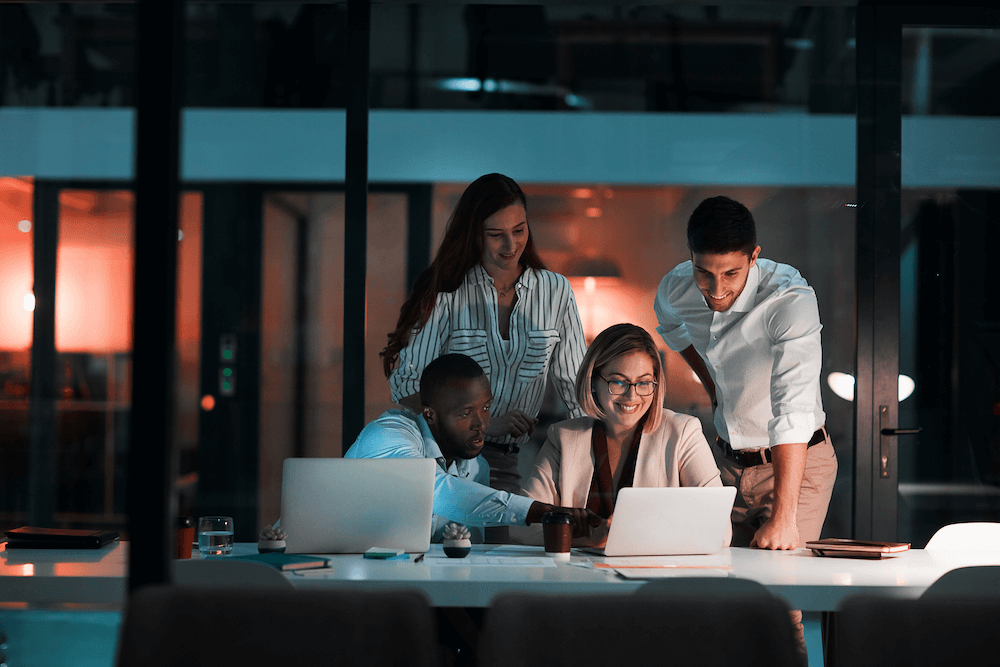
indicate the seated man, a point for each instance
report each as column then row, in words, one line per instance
column 455, row 397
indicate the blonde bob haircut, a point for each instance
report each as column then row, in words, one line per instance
column 613, row 342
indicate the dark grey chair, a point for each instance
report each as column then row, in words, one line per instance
column 978, row 581
column 657, row 627
column 879, row 632
column 207, row 627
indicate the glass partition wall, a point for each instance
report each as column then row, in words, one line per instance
column 555, row 92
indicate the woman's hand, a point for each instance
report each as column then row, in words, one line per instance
column 514, row 423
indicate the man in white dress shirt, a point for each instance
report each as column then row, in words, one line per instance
column 750, row 330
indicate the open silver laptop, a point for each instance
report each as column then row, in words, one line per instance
column 350, row 505
column 669, row 521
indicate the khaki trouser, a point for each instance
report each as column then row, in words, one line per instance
column 755, row 499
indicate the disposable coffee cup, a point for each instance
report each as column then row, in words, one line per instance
column 185, row 536
column 557, row 531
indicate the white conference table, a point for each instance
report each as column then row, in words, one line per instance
column 805, row 581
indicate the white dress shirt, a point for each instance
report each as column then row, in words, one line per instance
column 545, row 337
column 461, row 490
column 764, row 353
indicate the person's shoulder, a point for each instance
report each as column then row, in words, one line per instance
column 396, row 418
column 677, row 421
column 777, row 276
column 680, row 275
column 545, row 279
column 568, row 427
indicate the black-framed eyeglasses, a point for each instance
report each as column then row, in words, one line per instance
column 619, row 387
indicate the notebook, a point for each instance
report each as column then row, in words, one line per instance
column 669, row 521
column 350, row 505
column 839, row 547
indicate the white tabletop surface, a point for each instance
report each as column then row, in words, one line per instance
column 807, row 582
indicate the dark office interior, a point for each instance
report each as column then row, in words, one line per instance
column 129, row 396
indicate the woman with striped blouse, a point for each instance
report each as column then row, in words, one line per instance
column 487, row 295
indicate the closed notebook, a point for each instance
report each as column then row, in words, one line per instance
column 30, row 537
column 840, row 547
column 285, row 562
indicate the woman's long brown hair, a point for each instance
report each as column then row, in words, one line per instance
column 461, row 249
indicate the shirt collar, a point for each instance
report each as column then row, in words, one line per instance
column 477, row 275
column 433, row 451
column 743, row 303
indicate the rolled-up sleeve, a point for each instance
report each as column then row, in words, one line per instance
column 794, row 327
column 568, row 354
column 670, row 327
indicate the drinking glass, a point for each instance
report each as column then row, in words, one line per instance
column 215, row 535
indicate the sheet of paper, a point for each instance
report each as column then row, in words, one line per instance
column 716, row 561
column 665, row 573
column 489, row 560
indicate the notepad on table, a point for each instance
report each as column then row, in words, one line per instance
column 286, row 562
column 846, row 548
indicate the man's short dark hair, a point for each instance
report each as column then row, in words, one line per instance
column 443, row 369
column 721, row 225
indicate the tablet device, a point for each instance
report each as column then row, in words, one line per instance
column 350, row 505
column 669, row 521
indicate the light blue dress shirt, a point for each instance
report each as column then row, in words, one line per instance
column 461, row 490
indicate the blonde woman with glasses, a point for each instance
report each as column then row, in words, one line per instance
column 626, row 439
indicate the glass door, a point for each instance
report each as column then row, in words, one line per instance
column 949, row 343
column 927, row 415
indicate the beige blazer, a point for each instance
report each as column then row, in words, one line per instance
column 676, row 454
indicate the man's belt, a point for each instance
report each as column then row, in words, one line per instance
column 506, row 448
column 755, row 457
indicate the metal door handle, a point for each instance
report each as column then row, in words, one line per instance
column 884, row 443
column 901, row 431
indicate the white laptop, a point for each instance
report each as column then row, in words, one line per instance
column 669, row 521
column 350, row 505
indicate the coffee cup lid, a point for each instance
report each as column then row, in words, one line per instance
column 557, row 517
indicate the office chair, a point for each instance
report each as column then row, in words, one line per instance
column 978, row 581
column 202, row 627
column 726, row 586
column 652, row 628
column 883, row 632
column 976, row 535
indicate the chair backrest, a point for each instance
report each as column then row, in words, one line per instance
column 637, row 630
column 974, row 535
column 725, row 586
column 979, row 581
column 880, row 632
column 207, row 627
column 225, row 572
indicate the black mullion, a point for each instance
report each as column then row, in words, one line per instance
column 42, row 408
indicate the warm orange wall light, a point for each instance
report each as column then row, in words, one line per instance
column 15, row 285
column 94, row 299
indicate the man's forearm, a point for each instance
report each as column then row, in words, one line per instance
column 789, row 462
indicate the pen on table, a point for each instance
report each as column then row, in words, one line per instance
column 419, row 558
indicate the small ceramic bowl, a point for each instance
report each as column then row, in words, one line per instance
column 457, row 548
column 271, row 546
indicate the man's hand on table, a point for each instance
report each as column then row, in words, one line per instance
column 776, row 534
column 583, row 520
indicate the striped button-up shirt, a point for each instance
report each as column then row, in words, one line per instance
column 546, row 338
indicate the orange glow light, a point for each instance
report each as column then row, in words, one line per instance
column 582, row 193
column 208, row 402
column 593, row 212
